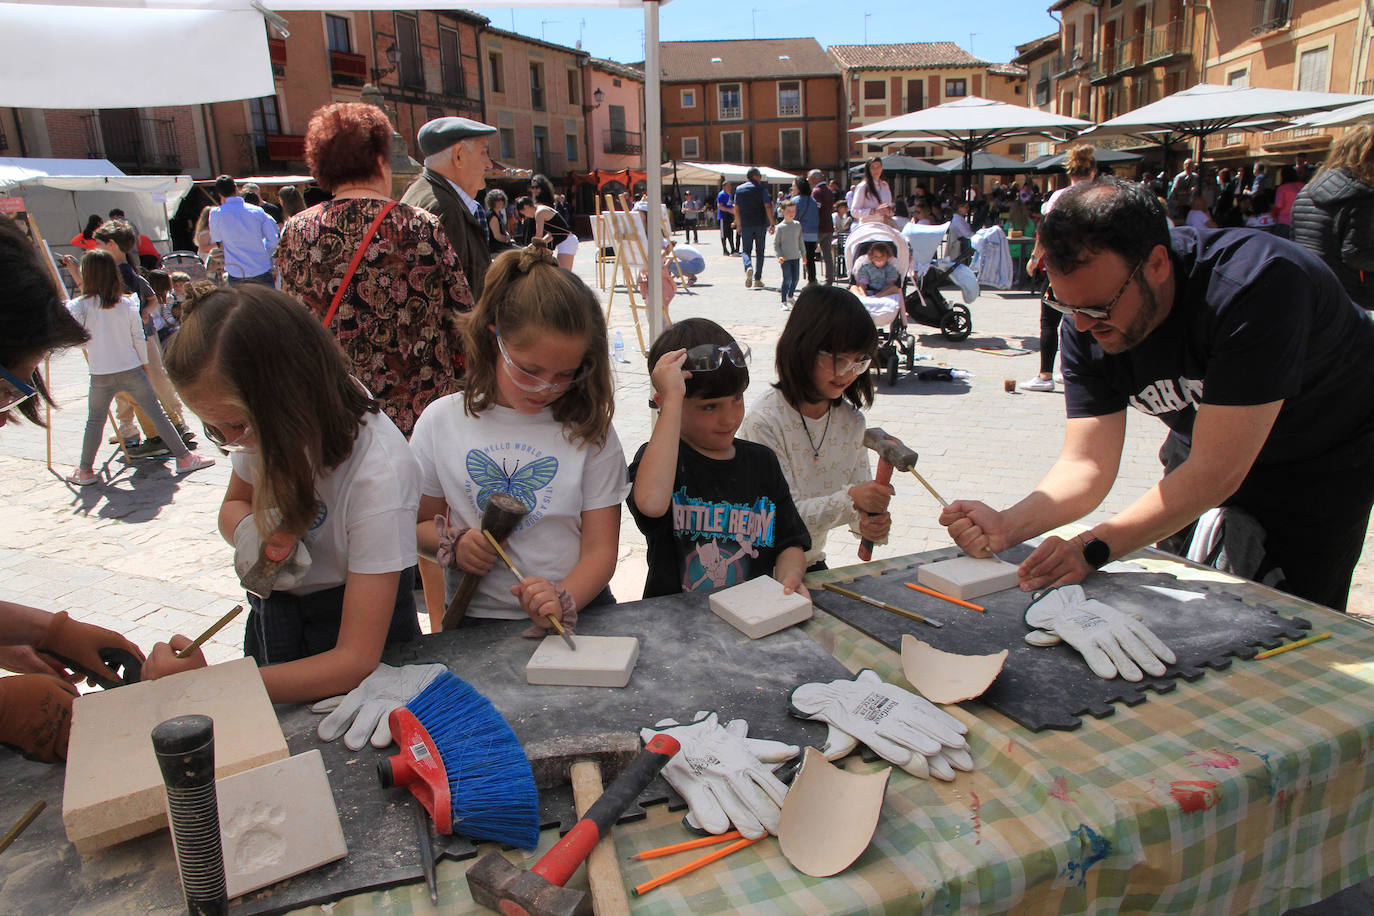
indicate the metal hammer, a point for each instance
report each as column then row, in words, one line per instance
column 502, row 514
column 892, row 453
column 498, row 884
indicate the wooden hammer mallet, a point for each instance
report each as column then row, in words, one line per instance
column 892, row 453
column 502, row 514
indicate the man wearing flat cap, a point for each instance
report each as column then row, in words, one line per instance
column 456, row 161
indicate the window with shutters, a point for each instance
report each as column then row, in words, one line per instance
column 790, row 148
column 1314, row 67
column 732, row 146
column 875, row 90
column 411, row 67
column 450, row 61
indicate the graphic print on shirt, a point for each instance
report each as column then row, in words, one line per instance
column 1168, row 395
column 515, row 468
column 714, row 525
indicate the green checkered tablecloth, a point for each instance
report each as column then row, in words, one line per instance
column 1248, row 790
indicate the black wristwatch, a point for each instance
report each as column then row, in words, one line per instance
column 1095, row 551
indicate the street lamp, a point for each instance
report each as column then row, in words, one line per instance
column 598, row 97
column 393, row 57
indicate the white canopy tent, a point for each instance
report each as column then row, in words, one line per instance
column 971, row 124
column 60, row 193
column 1341, row 117
column 48, row 61
column 710, row 173
column 1205, row 109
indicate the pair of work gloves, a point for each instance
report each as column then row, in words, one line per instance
column 361, row 715
column 446, row 555
column 1112, row 643
column 899, row 726
column 36, row 709
column 248, row 549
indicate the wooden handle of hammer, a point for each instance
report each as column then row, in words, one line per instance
column 884, row 476
column 502, row 514
column 603, row 868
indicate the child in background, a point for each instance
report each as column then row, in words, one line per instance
column 811, row 420
column 318, row 471
column 164, row 322
column 879, row 276
column 119, row 356
column 715, row 510
column 533, row 420
column 787, row 245
column 181, row 282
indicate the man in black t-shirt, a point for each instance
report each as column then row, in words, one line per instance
column 1249, row 350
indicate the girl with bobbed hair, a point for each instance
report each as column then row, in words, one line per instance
column 395, row 315
column 320, row 476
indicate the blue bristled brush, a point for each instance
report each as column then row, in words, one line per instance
column 460, row 758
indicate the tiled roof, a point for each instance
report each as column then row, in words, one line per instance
column 1007, row 69
column 1031, row 50
column 516, row 36
column 615, row 68
column 700, row 61
column 911, row 55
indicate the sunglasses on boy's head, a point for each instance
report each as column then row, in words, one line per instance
column 706, row 357
column 1097, row 313
column 13, row 390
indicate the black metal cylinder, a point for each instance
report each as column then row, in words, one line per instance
column 185, row 749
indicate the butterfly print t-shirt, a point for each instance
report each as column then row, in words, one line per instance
column 466, row 459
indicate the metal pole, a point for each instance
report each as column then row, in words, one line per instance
column 653, row 157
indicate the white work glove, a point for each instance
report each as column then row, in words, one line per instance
column 725, row 777
column 366, row 708
column 248, row 547
column 897, row 725
column 1110, row 642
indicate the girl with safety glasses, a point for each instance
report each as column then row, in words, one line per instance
column 811, row 420
column 533, row 421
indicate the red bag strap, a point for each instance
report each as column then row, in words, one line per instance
column 353, row 264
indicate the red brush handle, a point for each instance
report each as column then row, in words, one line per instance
column 419, row 767
column 884, row 477
column 559, row 863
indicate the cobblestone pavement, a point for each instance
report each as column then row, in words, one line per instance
column 139, row 552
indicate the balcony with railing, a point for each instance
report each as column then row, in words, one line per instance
column 138, row 145
column 1167, row 42
column 347, row 69
column 1118, row 59
column 623, row 143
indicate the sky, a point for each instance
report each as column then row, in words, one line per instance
column 989, row 29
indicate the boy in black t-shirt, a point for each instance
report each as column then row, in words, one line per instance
column 715, row 510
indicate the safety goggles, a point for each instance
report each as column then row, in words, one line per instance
column 844, row 366
column 13, row 390
column 708, row 357
column 532, row 384
column 238, row 444
column 1097, row 313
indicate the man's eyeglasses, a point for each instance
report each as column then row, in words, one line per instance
column 708, row 357
column 238, row 444
column 1097, row 313
column 13, row 390
column 844, row 366
column 533, row 384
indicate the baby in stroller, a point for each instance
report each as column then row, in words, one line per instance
column 878, row 259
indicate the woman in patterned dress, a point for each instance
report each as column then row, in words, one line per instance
column 395, row 319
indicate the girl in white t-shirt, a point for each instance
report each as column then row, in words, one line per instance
column 810, row 417
column 319, row 474
column 534, row 421
column 118, row 356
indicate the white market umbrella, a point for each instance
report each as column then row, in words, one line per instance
column 53, row 58
column 1206, row 109
column 984, row 161
column 971, row 124
column 1341, row 117
column 709, row 173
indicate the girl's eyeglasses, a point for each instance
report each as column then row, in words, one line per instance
column 708, row 357
column 844, row 366
column 238, row 444
column 13, row 390
column 1097, row 313
column 533, row 384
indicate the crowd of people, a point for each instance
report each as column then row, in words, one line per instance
column 377, row 370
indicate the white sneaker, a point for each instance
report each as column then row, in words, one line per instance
column 1037, row 384
column 748, row 277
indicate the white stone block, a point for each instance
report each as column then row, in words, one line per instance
column 277, row 821
column 759, row 607
column 598, row 661
column 967, row 577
